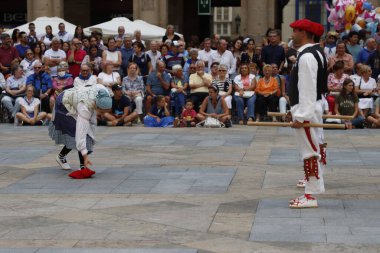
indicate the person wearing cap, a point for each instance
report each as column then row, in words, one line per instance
column 330, row 44
column 73, row 124
column 308, row 82
column 214, row 106
column 119, row 114
column 174, row 57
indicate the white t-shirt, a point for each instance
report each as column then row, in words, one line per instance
column 203, row 55
column 66, row 37
column 109, row 79
column 55, row 55
column 27, row 66
column 29, row 105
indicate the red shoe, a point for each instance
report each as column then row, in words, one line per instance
column 77, row 174
column 87, row 173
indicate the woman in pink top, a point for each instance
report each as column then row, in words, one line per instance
column 62, row 81
column 335, row 83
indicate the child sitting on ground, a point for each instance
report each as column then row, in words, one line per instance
column 159, row 115
column 188, row 115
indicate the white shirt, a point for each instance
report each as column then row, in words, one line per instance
column 29, row 105
column 81, row 83
column 27, row 66
column 13, row 83
column 142, row 41
column 85, row 125
column 154, row 57
column 2, row 81
column 54, row 55
column 307, row 86
column 109, row 79
column 65, row 37
column 204, row 55
column 238, row 82
column 226, row 58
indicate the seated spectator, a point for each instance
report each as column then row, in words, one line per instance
column 188, row 114
column 199, row 83
column 374, row 118
column 335, row 83
column 120, row 113
column 8, row 54
column 159, row 115
column 108, row 77
column 214, row 72
column 174, row 57
column 142, row 60
column 347, row 104
column 23, row 46
column 75, row 57
column 164, row 50
column 61, row 82
column 154, row 54
column 48, row 37
column 366, row 51
column 353, row 45
column 54, row 56
column 158, row 83
column 27, row 63
column 37, row 52
column 214, row 106
column 30, row 110
column 86, row 45
column 85, row 77
column 244, row 95
column 14, row 92
column 94, row 60
column 224, row 85
column 267, row 92
column 193, row 59
column 179, row 86
column 204, row 54
column 365, row 89
column 341, row 55
column 112, row 55
column 358, row 74
column 133, row 87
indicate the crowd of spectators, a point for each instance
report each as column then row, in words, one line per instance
column 166, row 83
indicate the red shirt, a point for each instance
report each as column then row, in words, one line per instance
column 189, row 113
column 74, row 68
column 7, row 55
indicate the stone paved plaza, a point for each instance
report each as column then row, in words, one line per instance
column 187, row 191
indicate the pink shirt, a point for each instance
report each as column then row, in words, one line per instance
column 336, row 83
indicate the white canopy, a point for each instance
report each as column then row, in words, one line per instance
column 109, row 28
column 42, row 22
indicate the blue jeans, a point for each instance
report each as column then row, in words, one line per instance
column 358, row 121
column 152, row 122
column 240, row 101
column 179, row 102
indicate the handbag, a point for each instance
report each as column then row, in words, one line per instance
column 211, row 122
column 246, row 94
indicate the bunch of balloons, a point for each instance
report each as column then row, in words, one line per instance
column 347, row 15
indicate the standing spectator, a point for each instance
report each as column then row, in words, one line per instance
column 120, row 114
column 14, row 91
column 94, row 42
column 164, row 50
column 120, row 33
column 109, row 77
column 54, row 56
column 86, row 45
column 365, row 89
column 61, row 82
column 199, row 83
column 134, row 88
column 174, row 57
column 158, row 83
column 330, row 45
column 366, row 51
column 178, row 92
column 62, row 34
column 78, row 33
column 273, row 52
column 112, row 56
column 37, row 52
column 27, row 63
column 94, row 60
column 126, row 53
column 141, row 59
column 267, row 92
column 137, row 35
column 244, row 95
column 341, row 55
column 30, row 109
column 48, row 37
column 223, row 56
column 170, row 35
column 214, row 70
column 374, row 61
column 335, row 83
column 224, row 85
column 15, row 37
column 353, row 46
column 249, row 55
column 237, row 51
column 75, row 57
column 154, row 54
column 204, row 54
column 347, row 104
column 32, row 36
column 85, row 78
column 43, row 85
column 159, row 115
column 8, row 54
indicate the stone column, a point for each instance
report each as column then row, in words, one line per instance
column 289, row 16
column 151, row 11
column 49, row 8
column 259, row 16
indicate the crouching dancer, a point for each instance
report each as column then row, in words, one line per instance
column 73, row 124
column 307, row 84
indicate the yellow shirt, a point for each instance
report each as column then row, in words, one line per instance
column 196, row 79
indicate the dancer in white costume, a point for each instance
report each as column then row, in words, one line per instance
column 307, row 84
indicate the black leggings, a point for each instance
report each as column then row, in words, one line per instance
column 65, row 151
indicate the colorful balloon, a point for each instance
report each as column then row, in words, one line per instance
column 350, row 13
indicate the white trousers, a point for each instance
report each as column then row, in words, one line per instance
column 139, row 104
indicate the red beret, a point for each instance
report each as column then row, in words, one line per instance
column 309, row 26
